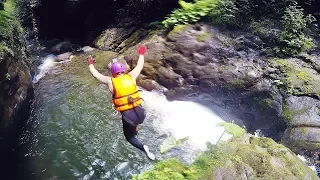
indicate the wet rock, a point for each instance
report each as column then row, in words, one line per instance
column 116, row 34
column 303, row 115
column 61, row 47
column 87, row 49
column 64, row 56
column 111, row 38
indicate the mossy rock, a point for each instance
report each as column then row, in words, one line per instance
column 245, row 157
column 298, row 78
column 132, row 40
column 79, row 66
column 178, row 29
column 203, row 37
column 111, row 38
column 302, row 138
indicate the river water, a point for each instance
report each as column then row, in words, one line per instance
column 74, row 133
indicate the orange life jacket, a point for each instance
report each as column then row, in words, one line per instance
column 125, row 93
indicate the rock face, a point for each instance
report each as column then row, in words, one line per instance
column 112, row 37
column 16, row 94
column 228, row 66
column 201, row 58
column 304, row 131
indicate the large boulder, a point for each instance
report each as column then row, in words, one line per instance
column 246, row 157
column 61, row 47
column 303, row 114
column 114, row 35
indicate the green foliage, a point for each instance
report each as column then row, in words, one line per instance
column 265, row 9
column 225, row 13
column 189, row 12
column 295, row 36
column 233, row 129
column 11, row 32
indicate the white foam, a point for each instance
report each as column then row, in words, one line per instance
column 185, row 119
column 302, row 158
column 47, row 64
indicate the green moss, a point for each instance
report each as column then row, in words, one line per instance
column 100, row 41
column 203, row 37
column 268, row 160
column 207, row 164
column 302, row 75
column 305, row 144
column 281, row 64
column 297, row 80
column 178, row 29
column 233, row 129
column 134, row 38
column 79, row 66
column 265, row 104
column 236, row 83
column 166, row 170
column 287, row 113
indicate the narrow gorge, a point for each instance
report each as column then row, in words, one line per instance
column 231, row 89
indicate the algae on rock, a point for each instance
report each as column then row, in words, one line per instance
column 243, row 157
column 298, row 78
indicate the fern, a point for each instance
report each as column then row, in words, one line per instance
column 190, row 12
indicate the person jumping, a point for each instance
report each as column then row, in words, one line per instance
column 126, row 97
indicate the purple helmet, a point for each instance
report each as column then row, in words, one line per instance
column 117, row 67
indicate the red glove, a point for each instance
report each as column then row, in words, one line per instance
column 90, row 60
column 142, row 50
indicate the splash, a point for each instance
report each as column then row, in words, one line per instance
column 47, row 64
column 185, row 119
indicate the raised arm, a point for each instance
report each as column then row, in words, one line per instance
column 137, row 70
column 96, row 74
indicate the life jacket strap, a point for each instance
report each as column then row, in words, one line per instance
column 125, row 95
column 131, row 101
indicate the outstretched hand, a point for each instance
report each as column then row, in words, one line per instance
column 91, row 60
column 142, row 50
